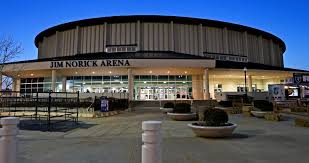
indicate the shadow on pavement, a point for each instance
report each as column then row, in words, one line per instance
column 56, row 125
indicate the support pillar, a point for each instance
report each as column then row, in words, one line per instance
column 0, row 81
column 250, row 83
column 206, row 84
column 53, row 81
column 8, row 140
column 130, row 84
column 14, row 84
column 64, row 84
column 17, row 86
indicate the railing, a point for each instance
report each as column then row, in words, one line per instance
column 61, row 106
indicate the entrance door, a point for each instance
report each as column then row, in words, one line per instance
column 147, row 94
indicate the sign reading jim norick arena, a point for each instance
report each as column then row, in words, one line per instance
column 90, row 63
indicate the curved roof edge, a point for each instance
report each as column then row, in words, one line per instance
column 152, row 18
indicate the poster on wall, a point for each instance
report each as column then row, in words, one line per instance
column 276, row 92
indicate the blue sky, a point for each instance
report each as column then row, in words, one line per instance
column 287, row 19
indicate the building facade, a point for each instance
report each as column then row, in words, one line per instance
column 152, row 58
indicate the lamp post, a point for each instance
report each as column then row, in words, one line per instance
column 245, row 71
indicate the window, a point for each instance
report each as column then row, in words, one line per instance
column 218, row 88
column 226, row 57
column 97, row 84
column 241, row 88
column 121, row 48
column 33, row 85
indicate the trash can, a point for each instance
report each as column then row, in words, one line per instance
column 104, row 104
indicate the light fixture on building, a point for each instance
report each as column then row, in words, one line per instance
column 18, row 75
column 84, row 83
column 168, row 72
column 93, row 72
column 245, row 71
column 76, row 72
column 145, row 82
column 110, row 72
column 121, row 82
column 164, row 82
column 184, row 82
column 150, row 71
column 185, row 72
column 31, row 74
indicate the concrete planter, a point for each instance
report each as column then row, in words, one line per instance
column 166, row 110
column 258, row 114
column 213, row 131
column 182, row 116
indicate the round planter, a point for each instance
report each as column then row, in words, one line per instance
column 182, row 116
column 258, row 114
column 166, row 110
column 212, row 131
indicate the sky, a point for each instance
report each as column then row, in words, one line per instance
column 287, row 19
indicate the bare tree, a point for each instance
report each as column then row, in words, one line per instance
column 9, row 49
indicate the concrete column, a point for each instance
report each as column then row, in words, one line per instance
column 201, row 44
column 0, row 81
column 53, row 81
column 138, row 36
column 250, row 83
column 246, row 50
column 14, row 84
column 225, row 41
column 171, row 46
column 151, row 137
column 18, row 86
column 105, row 36
column 130, row 84
column 261, row 50
column 64, row 84
column 8, row 140
column 206, row 84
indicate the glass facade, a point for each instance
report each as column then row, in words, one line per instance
column 33, row 85
column 97, row 84
column 162, row 87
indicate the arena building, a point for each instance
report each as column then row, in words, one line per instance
column 152, row 58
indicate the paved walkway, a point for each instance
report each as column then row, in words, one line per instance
column 117, row 139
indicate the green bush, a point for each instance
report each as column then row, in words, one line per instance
column 169, row 105
column 226, row 103
column 215, row 117
column 182, row 108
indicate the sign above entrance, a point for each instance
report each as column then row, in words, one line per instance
column 90, row 63
column 131, row 63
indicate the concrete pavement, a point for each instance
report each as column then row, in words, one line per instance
column 117, row 139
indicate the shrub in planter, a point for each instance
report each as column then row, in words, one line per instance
column 215, row 117
column 263, row 105
column 235, row 110
column 226, row 103
column 302, row 122
column 273, row 117
column 182, row 108
column 182, row 112
column 168, row 105
column 215, row 124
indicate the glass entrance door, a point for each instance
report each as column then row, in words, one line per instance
column 163, row 93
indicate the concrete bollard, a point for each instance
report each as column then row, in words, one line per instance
column 151, row 149
column 8, row 140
